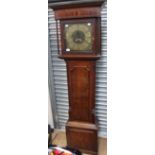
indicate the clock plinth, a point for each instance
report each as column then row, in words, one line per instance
column 82, row 136
column 79, row 43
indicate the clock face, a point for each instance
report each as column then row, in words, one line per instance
column 78, row 37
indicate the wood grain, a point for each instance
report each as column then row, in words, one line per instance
column 81, row 87
column 78, row 13
column 60, row 139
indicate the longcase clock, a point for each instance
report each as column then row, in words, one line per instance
column 79, row 43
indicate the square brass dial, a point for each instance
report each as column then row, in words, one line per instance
column 78, row 37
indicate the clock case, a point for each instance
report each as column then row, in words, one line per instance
column 81, row 128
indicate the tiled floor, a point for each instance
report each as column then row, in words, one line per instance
column 59, row 138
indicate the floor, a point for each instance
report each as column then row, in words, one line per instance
column 59, row 138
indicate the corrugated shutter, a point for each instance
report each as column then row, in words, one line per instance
column 59, row 77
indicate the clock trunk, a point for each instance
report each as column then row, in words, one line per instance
column 81, row 127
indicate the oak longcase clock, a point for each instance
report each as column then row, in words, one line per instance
column 79, row 43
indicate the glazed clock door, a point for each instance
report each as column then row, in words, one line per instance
column 78, row 36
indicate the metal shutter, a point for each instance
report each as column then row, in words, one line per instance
column 58, row 77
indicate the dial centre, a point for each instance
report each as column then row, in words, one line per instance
column 78, row 36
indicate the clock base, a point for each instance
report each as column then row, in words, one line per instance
column 82, row 136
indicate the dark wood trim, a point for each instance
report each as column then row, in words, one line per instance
column 73, row 3
column 80, row 57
